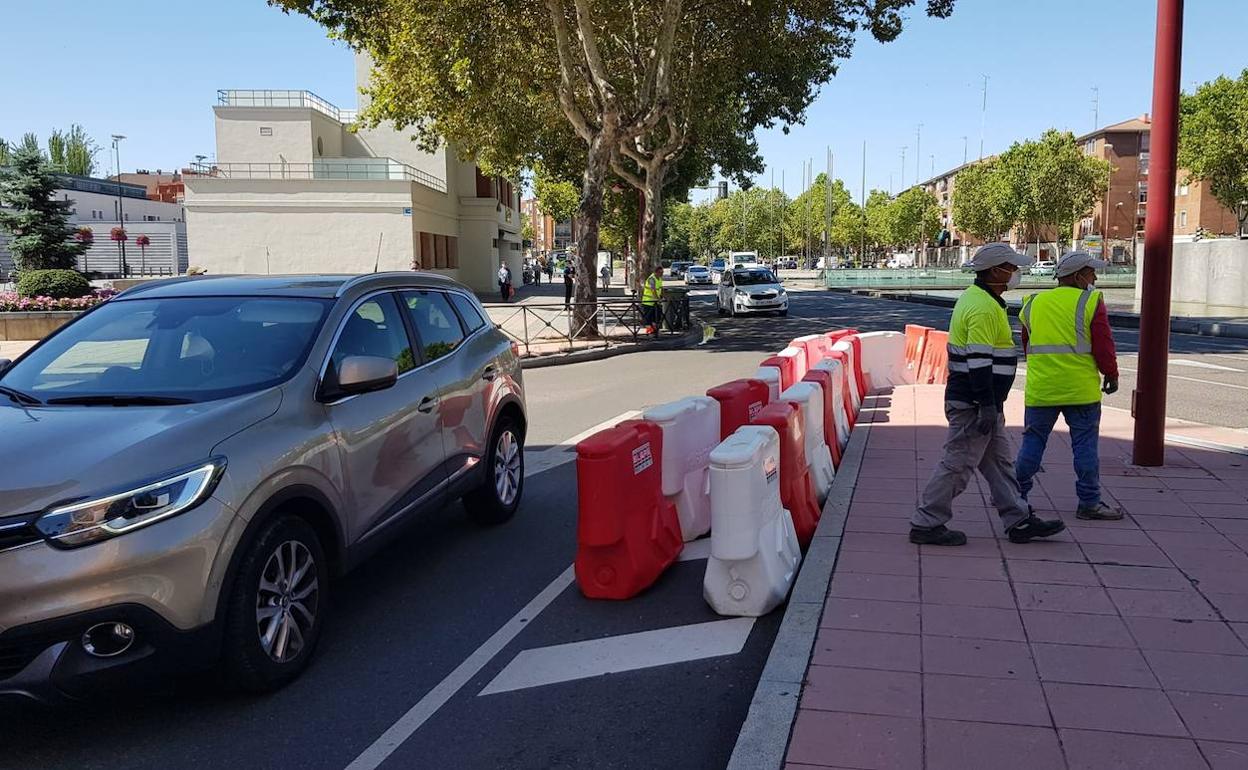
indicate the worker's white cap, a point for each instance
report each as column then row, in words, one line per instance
column 1074, row 261
column 993, row 254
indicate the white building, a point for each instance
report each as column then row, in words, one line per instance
column 296, row 190
column 100, row 205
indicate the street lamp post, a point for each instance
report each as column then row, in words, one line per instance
column 121, row 213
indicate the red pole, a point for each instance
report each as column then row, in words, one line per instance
column 1148, row 402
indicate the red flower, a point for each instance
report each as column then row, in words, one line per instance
column 142, row 241
column 84, row 235
column 118, row 234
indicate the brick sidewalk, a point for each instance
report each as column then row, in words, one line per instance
column 1115, row 645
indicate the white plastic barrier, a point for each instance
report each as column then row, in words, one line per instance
column 816, row 345
column 771, row 376
column 690, row 431
column 809, row 399
column 838, row 398
column 884, row 358
column 848, row 350
column 754, row 549
column 798, row 355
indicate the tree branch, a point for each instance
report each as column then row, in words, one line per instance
column 624, row 173
column 593, row 58
column 567, row 91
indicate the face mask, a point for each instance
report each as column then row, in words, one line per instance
column 1016, row 278
column 1090, row 287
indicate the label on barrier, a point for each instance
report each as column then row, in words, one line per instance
column 755, row 408
column 770, row 468
column 642, row 458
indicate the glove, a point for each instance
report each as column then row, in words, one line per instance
column 987, row 420
column 1110, row 386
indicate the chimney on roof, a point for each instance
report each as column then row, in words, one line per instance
column 1146, row 118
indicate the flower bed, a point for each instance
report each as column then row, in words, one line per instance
column 11, row 303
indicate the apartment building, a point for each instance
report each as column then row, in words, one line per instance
column 298, row 188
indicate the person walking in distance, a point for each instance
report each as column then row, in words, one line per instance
column 569, row 283
column 1069, row 348
column 651, row 296
column 982, row 363
column 504, row 281
column 604, row 273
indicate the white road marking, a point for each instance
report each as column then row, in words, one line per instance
column 565, row 451
column 616, row 654
column 1193, row 379
column 698, row 549
column 436, row 698
column 1204, row 365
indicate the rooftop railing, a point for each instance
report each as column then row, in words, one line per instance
column 233, row 97
column 343, row 169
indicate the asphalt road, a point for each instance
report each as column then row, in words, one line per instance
column 409, row 672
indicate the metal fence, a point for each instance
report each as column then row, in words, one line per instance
column 268, row 97
column 346, row 169
column 543, row 328
column 921, row 278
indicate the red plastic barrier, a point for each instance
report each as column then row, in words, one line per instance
column 916, row 339
column 627, row 532
column 816, row 348
column 823, row 378
column 846, row 397
column 787, row 367
column 739, row 402
column 797, row 491
column 934, row 368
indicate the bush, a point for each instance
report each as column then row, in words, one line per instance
column 57, row 284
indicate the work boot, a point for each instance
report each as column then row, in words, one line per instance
column 1032, row 527
column 939, row 535
column 1099, row 512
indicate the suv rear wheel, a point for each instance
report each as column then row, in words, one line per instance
column 498, row 497
column 277, row 606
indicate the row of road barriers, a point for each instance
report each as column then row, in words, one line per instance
column 752, row 462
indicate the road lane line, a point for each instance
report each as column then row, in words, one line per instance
column 1204, row 365
column 617, row 654
column 1193, row 379
column 563, row 452
column 436, row 698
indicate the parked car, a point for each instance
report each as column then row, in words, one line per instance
column 751, row 290
column 190, row 465
column 677, row 269
column 1045, row 267
column 698, row 274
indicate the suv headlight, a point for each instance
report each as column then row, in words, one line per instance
column 77, row 524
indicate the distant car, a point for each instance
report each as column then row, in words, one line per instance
column 1046, row 267
column 717, row 269
column 678, row 269
column 698, row 274
column 751, row 290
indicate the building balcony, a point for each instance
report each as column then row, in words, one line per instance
column 326, row 169
column 274, row 98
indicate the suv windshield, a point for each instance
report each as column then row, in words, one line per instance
column 752, row 277
column 150, row 351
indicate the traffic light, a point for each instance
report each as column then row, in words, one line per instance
column 723, row 190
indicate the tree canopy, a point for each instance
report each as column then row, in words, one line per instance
column 1213, row 140
column 42, row 238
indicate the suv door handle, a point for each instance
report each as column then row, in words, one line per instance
column 490, row 373
column 427, row 404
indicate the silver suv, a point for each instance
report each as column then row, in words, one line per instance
column 185, row 468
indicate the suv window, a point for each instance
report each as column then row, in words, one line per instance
column 374, row 328
column 435, row 322
column 468, row 312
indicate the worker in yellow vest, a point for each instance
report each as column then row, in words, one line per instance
column 651, row 294
column 1070, row 361
column 982, row 361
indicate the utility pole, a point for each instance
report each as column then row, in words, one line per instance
column 862, row 246
column 772, row 191
column 902, row 185
column 983, row 116
column 1148, row 402
column 1096, row 107
column 933, row 165
column 121, row 212
column 963, row 150
column 827, row 213
column 918, row 151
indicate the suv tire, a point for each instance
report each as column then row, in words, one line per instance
column 498, row 497
column 266, row 583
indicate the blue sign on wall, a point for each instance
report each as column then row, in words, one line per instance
column 407, row 212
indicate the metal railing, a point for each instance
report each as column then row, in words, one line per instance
column 343, row 169
column 241, row 97
column 921, row 278
column 554, row 327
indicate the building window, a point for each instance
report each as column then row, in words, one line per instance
column 1090, row 147
column 1183, row 189
column 1182, row 219
column 1143, row 188
column 1143, row 164
column 266, row 131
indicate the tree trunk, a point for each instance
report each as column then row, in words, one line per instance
column 652, row 218
column 589, row 217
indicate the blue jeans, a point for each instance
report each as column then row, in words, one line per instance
column 1085, row 430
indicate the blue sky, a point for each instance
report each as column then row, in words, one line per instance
column 150, row 70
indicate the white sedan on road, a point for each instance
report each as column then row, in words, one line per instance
column 751, row 290
column 697, row 274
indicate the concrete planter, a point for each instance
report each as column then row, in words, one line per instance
column 33, row 325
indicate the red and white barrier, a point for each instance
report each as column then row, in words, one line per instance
column 773, row 377
column 690, row 431
column 831, row 436
column 739, row 402
column 797, row 491
column 852, row 372
column 808, row 397
column 883, row 358
column 799, row 365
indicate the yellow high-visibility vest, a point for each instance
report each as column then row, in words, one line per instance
column 651, row 290
column 1060, row 368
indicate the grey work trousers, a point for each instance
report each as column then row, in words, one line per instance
column 965, row 450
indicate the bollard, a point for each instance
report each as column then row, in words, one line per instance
column 797, row 493
column 786, row 365
column 754, row 549
column 838, row 362
column 883, row 358
column 690, row 431
column 831, row 433
column 770, row 376
column 739, row 402
column 808, row 397
column 627, row 532
column 798, row 354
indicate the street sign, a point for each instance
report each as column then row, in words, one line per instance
column 407, row 212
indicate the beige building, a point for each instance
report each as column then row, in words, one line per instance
column 297, row 188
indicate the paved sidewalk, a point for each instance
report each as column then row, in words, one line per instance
column 1115, row 645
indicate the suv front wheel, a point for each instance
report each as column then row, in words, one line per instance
column 498, row 497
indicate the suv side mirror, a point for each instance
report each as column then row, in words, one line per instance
column 363, row 374
column 5, row 363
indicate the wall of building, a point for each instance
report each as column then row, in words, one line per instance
column 1195, row 207
column 1213, row 272
column 96, row 208
column 239, row 139
column 326, row 136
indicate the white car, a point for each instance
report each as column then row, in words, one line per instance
column 697, row 274
column 1047, row 267
column 751, row 290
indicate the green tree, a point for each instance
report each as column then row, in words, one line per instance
column 527, row 234
column 879, row 218
column 6, row 152
column 556, row 198
column 38, row 223
column 984, row 204
column 914, row 218
column 808, row 216
column 1213, row 141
